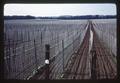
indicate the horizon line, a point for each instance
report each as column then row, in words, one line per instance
column 65, row 15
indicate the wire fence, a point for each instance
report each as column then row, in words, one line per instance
column 25, row 42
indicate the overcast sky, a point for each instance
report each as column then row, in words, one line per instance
column 59, row 9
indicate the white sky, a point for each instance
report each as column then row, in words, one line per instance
column 59, row 9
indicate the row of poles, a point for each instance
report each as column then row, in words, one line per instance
column 16, row 70
column 47, row 63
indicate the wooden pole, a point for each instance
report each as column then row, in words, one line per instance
column 63, row 53
column 36, row 63
column 47, row 56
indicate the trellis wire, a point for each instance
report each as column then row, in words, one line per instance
column 26, row 46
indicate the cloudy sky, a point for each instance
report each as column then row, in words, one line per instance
column 59, row 9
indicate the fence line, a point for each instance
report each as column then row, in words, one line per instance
column 25, row 52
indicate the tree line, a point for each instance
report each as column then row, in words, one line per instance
column 62, row 17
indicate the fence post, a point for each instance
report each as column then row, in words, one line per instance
column 41, row 37
column 63, row 53
column 35, row 55
column 9, row 58
column 47, row 55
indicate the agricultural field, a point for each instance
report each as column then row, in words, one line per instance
column 107, row 32
column 25, row 43
column 25, row 40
